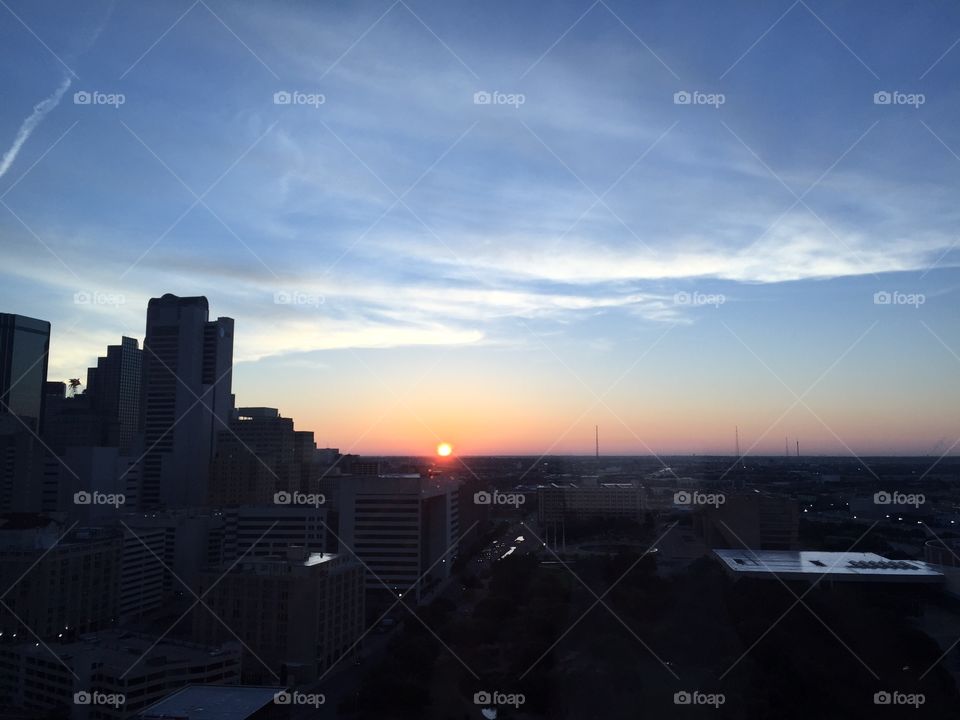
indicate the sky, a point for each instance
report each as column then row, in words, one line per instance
column 500, row 224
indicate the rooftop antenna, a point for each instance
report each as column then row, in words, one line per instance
column 736, row 431
column 798, row 448
column 596, row 430
column 786, row 447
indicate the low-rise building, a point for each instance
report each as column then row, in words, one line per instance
column 108, row 675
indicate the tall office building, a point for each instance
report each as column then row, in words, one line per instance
column 24, row 347
column 114, row 390
column 187, row 368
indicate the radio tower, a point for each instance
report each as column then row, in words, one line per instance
column 596, row 430
column 798, row 448
column 736, row 432
column 786, row 447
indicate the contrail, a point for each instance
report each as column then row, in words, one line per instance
column 40, row 111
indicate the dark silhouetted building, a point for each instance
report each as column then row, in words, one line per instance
column 759, row 521
column 261, row 454
column 140, row 668
column 299, row 612
column 187, row 400
column 114, row 390
column 57, row 587
column 24, row 349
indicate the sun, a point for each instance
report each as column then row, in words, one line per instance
column 444, row 449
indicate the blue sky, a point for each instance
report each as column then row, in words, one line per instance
column 453, row 265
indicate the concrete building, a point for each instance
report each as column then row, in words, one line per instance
column 58, row 586
column 192, row 541
column 270, row 530
column 142, row 575
column 612, row 500
column 261, row 454
column 108, row 675
column 96, row 483
column 299, row 613
column 400, row 526
column 759, row 521
column 187, row 400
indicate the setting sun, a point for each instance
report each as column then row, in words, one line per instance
column 444, row 449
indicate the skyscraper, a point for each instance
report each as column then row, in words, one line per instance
column 114, row 390
column 186, row 398
column 24, row 347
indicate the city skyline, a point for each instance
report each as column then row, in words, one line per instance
column 585, row 227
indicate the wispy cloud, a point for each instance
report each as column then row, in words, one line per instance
column 30, row 123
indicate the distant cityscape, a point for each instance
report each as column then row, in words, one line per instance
column 162, row 549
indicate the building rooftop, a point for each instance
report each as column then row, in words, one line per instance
column 118, row 650
column 211, row 702
column 837, row 566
